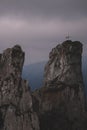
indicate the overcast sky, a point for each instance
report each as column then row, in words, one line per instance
column 39, row 25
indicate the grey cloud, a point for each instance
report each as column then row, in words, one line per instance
column 68, row 9
column 39, row 25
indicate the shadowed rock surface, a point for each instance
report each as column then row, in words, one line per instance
column 61, row 100
column 16, row 111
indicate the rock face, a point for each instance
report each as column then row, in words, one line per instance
column 63, row 74
column 61, row 100
column 16, row 108
column 65, row 63
column 58, row 105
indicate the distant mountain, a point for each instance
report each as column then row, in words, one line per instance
column 34, row 74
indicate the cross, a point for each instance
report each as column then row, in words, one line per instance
column 68, row 37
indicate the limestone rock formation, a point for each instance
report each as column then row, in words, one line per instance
column 61, row 100
column 65, row 63
column 58, row 105
column 16, row 109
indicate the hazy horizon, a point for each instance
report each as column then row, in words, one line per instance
column 38, row 26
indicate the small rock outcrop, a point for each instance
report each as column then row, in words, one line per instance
column 16, row 108
column 61, row 100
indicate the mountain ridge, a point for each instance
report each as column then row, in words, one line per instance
column 34, row 73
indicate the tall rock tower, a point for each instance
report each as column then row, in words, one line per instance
column 64, row 64
column 16, row 108
column 62, row 97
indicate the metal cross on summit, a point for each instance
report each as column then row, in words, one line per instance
column 67, row 37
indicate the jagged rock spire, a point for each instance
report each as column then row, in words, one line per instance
column 65, row 63
column 11, row 61
column 16, row 107
column 61, row 99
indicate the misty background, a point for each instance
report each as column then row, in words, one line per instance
column 39, row 25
